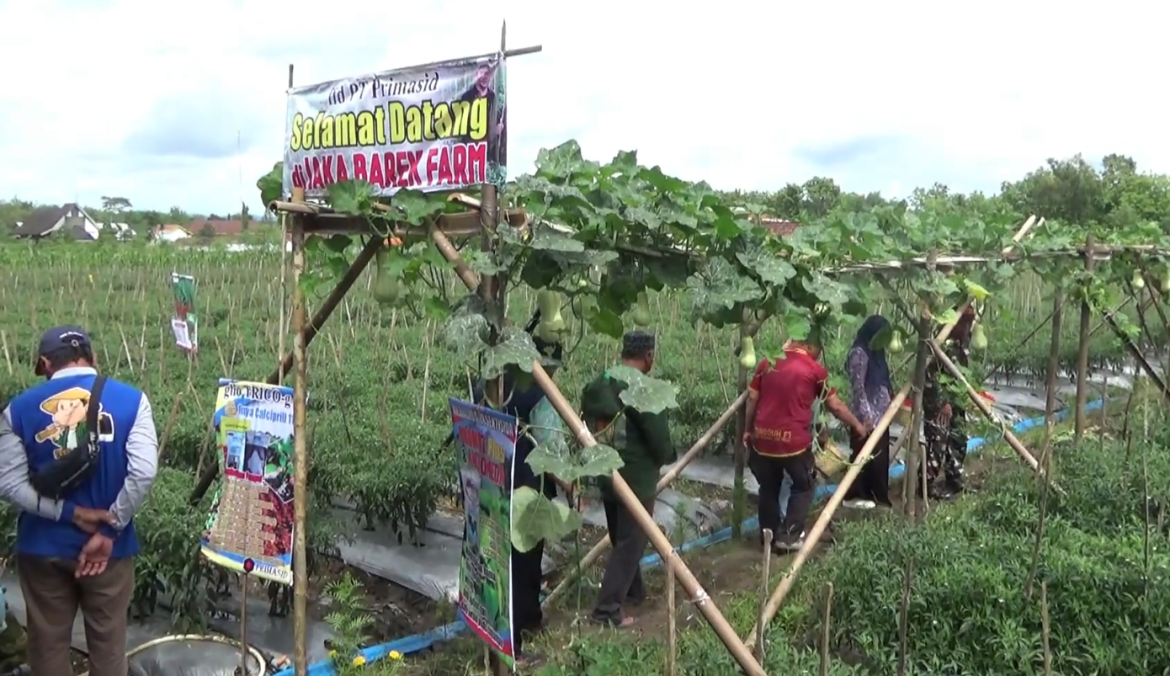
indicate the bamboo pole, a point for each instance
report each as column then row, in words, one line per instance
column 686, row 578
column 1083, row 349
column 1137, row 355
column 1053, row 358
column 915, row 463
column 300, row 450
column 855, row 467
column 766, row 574
column 985, row 409
column 671, row 625
column 739, row 492
column 603, row 544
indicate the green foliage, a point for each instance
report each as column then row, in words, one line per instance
column 968, row 611
column 350, row 623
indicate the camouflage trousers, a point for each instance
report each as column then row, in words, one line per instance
column 946, row 447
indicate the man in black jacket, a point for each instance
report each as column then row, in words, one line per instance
column 520, row 401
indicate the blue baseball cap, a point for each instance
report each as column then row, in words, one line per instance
column 59, row 338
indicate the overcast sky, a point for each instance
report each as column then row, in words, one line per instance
column 182, row 103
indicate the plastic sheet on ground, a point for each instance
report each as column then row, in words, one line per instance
column 696, row 518
column 191, row 656
column 273, row 636
column 429, row 565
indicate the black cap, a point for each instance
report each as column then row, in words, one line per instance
column 59, row 338
column 637, row 343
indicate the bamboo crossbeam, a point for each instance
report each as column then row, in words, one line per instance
column 323, row 220
column 670, row 558
column 822, row 522
column 1137, row 354
column 695, row 450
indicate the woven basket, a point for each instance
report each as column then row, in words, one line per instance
column 832, row 461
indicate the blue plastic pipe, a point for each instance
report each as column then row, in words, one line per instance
column 421, row 642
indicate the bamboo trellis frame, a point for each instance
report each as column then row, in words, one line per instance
column 316, row 219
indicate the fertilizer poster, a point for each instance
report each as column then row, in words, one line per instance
column 487, row 441
column 184, row 323
column 427, row 128
column 250, row 529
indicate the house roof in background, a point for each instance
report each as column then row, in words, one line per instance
column 779, row 226
column 40, row 220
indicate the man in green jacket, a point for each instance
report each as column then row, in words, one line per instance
column 643, row 441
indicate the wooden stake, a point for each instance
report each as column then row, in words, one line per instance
column 764, row 588
column 1053, row 359
column 1083, row 349
column 904, row 618
column 166, row 436
column 671, row 624
column 300, row 450
column 916, row 462
column 603, row 544
column 7, row 355
column 739, row 490
column 1045, row 629
column 826, row 629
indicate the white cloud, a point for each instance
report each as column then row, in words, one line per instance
column 881, row 96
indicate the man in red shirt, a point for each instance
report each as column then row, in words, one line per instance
column 779, row 428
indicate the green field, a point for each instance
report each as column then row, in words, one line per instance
column 379, row 382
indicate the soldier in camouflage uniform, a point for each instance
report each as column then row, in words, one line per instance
column 944, row 419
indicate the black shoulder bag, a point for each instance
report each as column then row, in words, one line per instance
column 65, row 474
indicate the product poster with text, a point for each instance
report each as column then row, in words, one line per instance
column 250, row 528
column 486, row 443
column 427, row 128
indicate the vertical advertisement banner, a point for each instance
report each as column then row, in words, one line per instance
column 486, row 444
column 250, row 528
column 184, row 324
column 427, row 128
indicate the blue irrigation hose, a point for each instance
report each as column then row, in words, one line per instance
column 420, row 642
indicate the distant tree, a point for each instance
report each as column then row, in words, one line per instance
column 207, row 231
column 116, row 205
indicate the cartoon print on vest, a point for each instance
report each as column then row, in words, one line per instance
column 68, row 410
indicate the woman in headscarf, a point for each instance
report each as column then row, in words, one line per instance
column 869, row 380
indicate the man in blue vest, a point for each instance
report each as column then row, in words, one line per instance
column 76, row 551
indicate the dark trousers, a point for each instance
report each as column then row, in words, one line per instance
column 873, row 483
column 946, row 447
column 53, row 595
column 527, row 616
column 769, row 472
column 623, row 575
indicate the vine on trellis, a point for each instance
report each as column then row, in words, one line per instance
column 600, row 235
